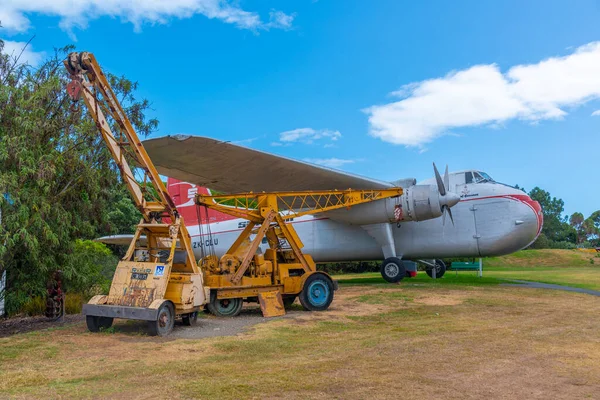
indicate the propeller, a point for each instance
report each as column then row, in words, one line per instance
column 447, row 198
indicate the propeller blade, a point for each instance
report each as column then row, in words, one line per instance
column 444, row 215
column 440, row 182
column 446, row 179
column 450, row 214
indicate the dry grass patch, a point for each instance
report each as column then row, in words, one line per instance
column 401, row 341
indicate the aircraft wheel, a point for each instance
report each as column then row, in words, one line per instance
column 225, row 307
column 165, row 321
column 190, row 319
column 392, row 269
column 95, row 324
column 317, row 293
column 440, row 269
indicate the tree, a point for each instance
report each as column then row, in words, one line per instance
column 592, row 228
column 595, row 219
column 520, row 188
column 576, row 221
column 122, row 216
column 57, row 172
column 556, row 229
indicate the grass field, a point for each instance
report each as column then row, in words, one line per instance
column 459, row 337
column 562, row 267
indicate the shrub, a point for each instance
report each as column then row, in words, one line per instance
column 92, row 266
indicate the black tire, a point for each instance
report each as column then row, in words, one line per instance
column 95, row 323
column 224, row 307
column 393, row 270
column 440, row 269
column 190, row 319
column 317, row 293
column 288, row 301
column 164, row 322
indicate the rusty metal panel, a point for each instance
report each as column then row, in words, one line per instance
column 271, row 303
column 138, row 284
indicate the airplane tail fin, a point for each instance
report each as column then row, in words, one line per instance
column 183, row 194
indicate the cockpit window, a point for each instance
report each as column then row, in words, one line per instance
column 481, row 177
column 468, row 177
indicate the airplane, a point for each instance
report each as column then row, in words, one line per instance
column 487, row 218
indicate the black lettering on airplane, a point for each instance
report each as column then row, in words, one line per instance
column 207, row 242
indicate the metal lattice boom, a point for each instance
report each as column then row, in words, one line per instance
column 255, row 206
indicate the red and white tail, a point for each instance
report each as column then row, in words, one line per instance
column 183, row 194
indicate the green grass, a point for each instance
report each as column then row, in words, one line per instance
column 29, row 344
column 544, row 258
column 560, row 267
column 586, row 278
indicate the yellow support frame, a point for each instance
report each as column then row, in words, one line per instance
column 290, row 205
column 272, row 212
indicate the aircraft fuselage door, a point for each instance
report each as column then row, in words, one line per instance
column 466, row 190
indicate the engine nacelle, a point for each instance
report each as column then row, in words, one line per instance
column 417, row 203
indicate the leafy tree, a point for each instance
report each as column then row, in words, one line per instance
column 592, row 228
column 122, row 216
column 576, row 221
column 556, row 231
column 91, row 268
column 58, row 174
column 595, row 218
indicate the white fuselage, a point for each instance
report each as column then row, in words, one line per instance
column 491, row 219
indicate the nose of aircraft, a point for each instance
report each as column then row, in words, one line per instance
column 508, row 226
column 535, row 220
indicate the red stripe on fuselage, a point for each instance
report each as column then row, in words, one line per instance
column 521, row 198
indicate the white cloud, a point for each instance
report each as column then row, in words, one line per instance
column 77, row 13
column 330, row 162
column 27, row 56
column 483, row 95
column 308, row 135
column 245, row 141
column 596, row 113
column 280, row 20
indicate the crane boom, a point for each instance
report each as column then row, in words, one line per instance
column 255, row 206
column 89, row 82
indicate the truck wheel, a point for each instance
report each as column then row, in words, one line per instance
column 392, row 269
column 164, row 322
column 190, row 319
column 440, row 269
column 95, row 323
column 225, row 307
column 317, row 293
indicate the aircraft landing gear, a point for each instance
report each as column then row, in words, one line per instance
column 440, row 269
column 392, row 269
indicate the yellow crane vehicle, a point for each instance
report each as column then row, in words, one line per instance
column 158, row 279
column 283, row 271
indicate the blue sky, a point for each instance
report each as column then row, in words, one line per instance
column 379, row 88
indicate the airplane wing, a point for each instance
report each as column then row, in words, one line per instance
column 231, row 168
column 120, row 240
